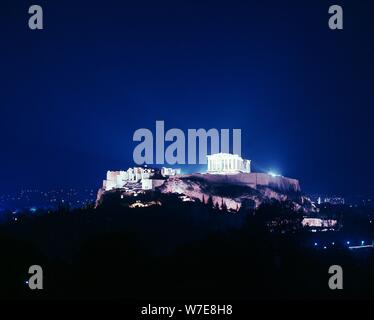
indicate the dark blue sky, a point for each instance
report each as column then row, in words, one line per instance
column 73, row 94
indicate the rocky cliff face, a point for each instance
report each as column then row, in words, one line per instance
column 233, row 194
column 234, row 191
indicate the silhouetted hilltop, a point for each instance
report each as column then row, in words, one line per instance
column 172, row 248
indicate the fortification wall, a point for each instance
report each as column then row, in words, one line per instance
column 253, row 180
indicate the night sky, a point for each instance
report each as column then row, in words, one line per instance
column 73, row 94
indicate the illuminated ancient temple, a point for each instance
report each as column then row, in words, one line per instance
column 228, row 163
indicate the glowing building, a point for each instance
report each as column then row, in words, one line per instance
column 167, row 172
column 137, row 178
column 118, row 179
column 228, row 163
column 316, row 222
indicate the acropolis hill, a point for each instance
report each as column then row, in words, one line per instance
column 228, row 181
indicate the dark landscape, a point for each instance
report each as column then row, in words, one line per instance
column 183, row 250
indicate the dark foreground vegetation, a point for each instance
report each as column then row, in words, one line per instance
column 176, row 250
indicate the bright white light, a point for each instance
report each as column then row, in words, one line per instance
column 274, row 174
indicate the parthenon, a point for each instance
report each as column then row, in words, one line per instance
column 227, row 163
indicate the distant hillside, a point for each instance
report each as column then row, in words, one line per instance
column 234, row 192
